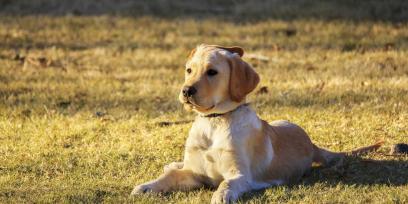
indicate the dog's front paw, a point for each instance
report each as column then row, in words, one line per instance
column 140, row 189
column 223, row 196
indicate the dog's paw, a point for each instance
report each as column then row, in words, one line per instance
column 140, row 189
column 173, row 165
column 223, row 196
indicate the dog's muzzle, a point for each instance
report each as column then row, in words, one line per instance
column 189, row 91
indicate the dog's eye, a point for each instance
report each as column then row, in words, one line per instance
column 212, row 72
column 188, row 70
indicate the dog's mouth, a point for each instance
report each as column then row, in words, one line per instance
column 196, row 106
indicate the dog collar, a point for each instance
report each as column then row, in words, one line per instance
column 214, row 115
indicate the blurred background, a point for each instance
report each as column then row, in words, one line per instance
column 236, row 10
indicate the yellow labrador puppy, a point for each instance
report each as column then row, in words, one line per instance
column 229, row 146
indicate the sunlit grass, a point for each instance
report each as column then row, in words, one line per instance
column 84, row 126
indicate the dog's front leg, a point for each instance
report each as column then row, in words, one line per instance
column 230, row 189
column 173, row 165
column 171, row 180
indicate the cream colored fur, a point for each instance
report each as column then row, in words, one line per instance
column 235, row 152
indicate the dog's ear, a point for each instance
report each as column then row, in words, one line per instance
column 191, row 54
column 243, row 79
column 234, row 49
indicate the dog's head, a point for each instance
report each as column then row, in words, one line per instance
column 217, row 80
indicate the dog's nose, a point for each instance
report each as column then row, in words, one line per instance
column 189, row 91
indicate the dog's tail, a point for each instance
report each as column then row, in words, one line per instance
column 326, row 158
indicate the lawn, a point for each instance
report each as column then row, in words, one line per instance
column 88, row 94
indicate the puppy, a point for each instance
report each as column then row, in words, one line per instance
column 229, row 147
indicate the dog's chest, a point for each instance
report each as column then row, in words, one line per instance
column 213, row 146
column 205, row 152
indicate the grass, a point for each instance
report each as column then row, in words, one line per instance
column 83, row 98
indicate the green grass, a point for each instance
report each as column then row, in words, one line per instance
column 86, row 126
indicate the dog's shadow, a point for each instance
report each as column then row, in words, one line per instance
column 352, row 171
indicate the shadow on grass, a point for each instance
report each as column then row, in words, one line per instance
column 299, row 99
column 233, row 10
column 154, row 104
column 44, row 45
column 354, row 171
column 84, row 100
column 359, row 171
column 75, row 46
